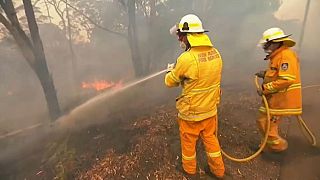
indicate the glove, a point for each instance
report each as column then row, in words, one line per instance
column 170, row 67
column 261, row 74
column 260, row 92
column 173, row 30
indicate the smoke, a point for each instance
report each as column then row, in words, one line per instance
column 234, row 27
column 104, row 107
column 288, row 6
column 234, row 30
column 284, row 14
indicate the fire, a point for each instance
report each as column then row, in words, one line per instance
column 100, row 85
column 118, row 85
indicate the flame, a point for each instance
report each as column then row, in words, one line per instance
column 100, row 85
column 118, row 85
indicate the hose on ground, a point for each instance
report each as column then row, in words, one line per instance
column 303, row 127
column 265, row 139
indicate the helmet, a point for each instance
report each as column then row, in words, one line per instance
column 276, row 35
column 191, row 23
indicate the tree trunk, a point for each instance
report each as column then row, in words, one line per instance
column 151, row 37
column 41, row 67
column 22, row 40
column 305, row 18
column 132, row 38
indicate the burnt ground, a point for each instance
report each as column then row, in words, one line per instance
column 144, row 147
column 147, row 146
column 302, row 161
column 155, row 152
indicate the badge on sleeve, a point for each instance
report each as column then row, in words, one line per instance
column 284, row 66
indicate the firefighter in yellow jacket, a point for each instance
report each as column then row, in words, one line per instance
column 198, row 71
column 281, row 85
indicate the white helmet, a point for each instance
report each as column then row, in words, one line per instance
column 191, row 23
column 276, row 35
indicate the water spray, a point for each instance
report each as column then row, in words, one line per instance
column 107, row 94
column 85, row 105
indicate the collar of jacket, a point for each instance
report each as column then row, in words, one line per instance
column 199, row 39
column 277, row 51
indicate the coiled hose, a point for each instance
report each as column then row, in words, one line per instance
column 304, row 128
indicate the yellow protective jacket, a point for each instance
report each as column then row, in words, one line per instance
column 282, row 83
column 198, row 71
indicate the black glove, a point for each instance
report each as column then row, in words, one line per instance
column 260, row 74
column 260, row 92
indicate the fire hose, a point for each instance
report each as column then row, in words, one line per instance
column 303, row 127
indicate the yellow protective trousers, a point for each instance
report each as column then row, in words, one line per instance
column 275, row 142
column 189, row 133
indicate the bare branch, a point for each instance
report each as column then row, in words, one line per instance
column 60, row 14
column 94, row 23
column 58, row 5
column 48, row 10
column 35, row 3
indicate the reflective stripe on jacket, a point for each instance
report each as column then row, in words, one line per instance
column 198, row 71
column 282, row 83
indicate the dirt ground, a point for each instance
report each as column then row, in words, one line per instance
column 302, row 161
column 146, row 146
column 153, row 151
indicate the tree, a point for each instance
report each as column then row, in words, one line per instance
column 32, row 50
column 77, row 18
column 64, row 14
column 132, row 39
column 92, row 15
column 148, row 8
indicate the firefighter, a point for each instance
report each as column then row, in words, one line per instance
column 198, row 71
column 281, row 85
